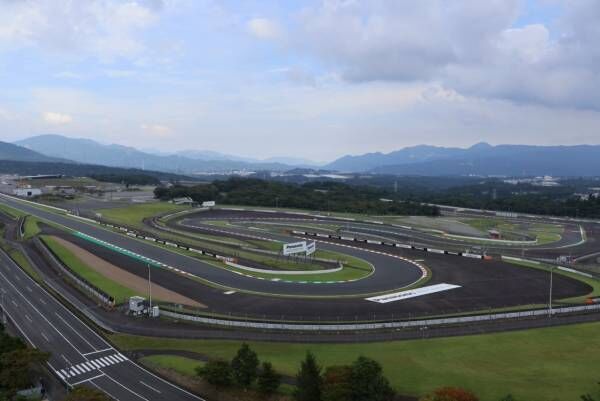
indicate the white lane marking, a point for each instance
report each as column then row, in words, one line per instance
column 64, row 373
column 97, row 352
column 119, row 357
column 74, row 331
column 113, row 359
column 84, row 368
column 89, row 365
column 87, row 380
column 60, row 375
column 417, row 292
column 76, row 370
column 107, row 361
column 42, row 301
column 96, row 364
column 28, row 318
column 128, row 389
column 99, row 362
column 105, row 391
column 150, row 387
column 28, row 288
column 14, row 303
column 44, row 336
column 40, row 313
column 60, row 305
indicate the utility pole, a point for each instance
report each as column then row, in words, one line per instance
column 149, row 287
column 550, row 300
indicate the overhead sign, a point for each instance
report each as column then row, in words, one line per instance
column 294, row 248
column 311, row 248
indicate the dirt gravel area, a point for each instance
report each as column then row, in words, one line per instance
column 121, row 276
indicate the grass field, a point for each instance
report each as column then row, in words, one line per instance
column 180, row 364
column 31, row 227
column 558, row 363
column 133, row 215
column 117, row 291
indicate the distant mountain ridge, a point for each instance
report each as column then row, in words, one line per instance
column 92, row 152
column 479, row 159
column 11, row 152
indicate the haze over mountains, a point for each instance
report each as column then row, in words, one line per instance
column 480, row 159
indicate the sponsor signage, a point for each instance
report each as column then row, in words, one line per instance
column 311, row 248
column 294, row 248
column 208, row 204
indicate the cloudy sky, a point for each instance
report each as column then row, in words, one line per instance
column 305, row 78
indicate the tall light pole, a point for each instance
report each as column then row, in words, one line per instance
column 149, row 287
column 550, row 300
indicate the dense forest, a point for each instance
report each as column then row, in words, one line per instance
column 322, row 196
column 559, row 201
column 85, row 170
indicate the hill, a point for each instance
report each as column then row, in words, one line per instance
column 92, row 152
column 480, row 159
column 9, row 151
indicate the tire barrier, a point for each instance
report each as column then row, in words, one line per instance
column 85, row 285
column 390, row 244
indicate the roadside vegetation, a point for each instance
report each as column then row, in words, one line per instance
column 119, row 292
column 523, row 363
column 133, row 216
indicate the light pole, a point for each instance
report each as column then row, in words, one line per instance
column 149, row 287
column 550, row 300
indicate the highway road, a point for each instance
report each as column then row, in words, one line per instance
column 79, row 355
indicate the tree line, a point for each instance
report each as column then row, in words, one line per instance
column 322, row 196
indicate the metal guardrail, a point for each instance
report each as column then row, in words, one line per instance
column 380, row 325
column 82, row 283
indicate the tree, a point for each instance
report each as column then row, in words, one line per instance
column 245, row 366
column 268, row 379
column 308, row 380
column 16, row 367
column 368, row 382
column 450, row 394
column 337, row 383
column 508, row 397
column 86, row 394
column 217, row 372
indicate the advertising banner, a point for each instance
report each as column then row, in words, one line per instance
column 294, row 247
column 311, row 248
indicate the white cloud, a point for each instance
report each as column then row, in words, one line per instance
column 105, row 29
column 264, row 28
column 471, row 46
column 157, row 130
column 56, row 118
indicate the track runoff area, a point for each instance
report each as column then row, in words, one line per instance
column 229, row 263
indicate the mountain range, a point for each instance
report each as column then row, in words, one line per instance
column 185, row 162
column 480, row 159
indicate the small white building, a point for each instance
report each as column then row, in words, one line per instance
column 27, row 192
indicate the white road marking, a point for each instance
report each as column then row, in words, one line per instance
column 87, row 380
column 44, row 336
column 97, row 352
column 150, row 387
column 75, row 331
column 128, row 389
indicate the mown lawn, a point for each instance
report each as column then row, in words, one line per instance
column 133, row 215
column 117, row 291
column 559, row 363
column 180, row 364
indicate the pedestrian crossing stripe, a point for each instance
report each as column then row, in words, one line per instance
column 90, row 366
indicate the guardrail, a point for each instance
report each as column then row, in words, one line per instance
column 79, row 281
column 390, row 244
column 380, row 325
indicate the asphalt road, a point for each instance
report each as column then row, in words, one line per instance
column 391, row 273
column 79, row 356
